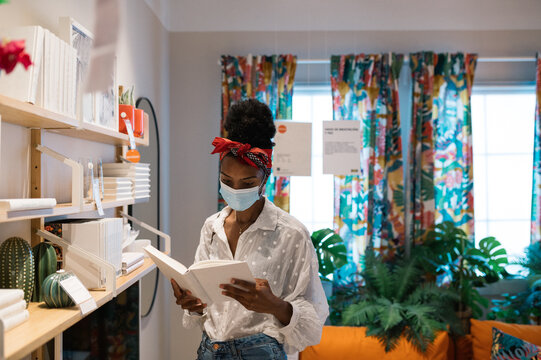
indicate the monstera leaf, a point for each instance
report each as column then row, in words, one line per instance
column 331, row 251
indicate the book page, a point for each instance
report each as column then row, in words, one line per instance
column 210, row 278
column 213, row 263
column 171, row 268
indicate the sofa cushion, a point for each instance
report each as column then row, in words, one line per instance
column 505, row 346
column 351, row 343
column 481, row 332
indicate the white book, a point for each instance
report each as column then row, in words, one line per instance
column 22, row 84
column 131, row 258
column 10, row 296
column 203, row 279
column 62, row 77
column 45, row 87
column 26, row 204
column 15, row 320
column 126, row 271
column 12, row 309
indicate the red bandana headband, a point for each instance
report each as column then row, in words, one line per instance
column 256, row 157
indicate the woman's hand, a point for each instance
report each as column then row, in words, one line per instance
column 258, row 297
column 187, row 300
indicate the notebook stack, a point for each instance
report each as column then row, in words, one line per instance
column 131, row 261
column 138, row 173
column 12, row 308
column 117, row 188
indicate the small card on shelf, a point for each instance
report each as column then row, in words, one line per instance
column 79, row 294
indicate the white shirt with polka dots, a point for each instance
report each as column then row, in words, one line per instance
column 278, row 248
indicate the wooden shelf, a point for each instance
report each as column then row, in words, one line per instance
column 63, row 210
column 45, row 323
column 32, row 116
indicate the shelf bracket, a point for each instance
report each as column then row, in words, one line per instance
column 110, row 273
column 76, row 174
column 166, row 237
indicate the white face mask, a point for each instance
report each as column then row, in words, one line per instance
column 240, row 199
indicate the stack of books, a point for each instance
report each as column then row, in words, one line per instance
column 131, row 261
column 138, row 173
column 117, row 188
column 12, row 308
column 51, row 81
column 101, row 237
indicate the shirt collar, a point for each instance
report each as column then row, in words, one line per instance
column 267, row 219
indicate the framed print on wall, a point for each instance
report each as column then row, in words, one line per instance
column 81, row 40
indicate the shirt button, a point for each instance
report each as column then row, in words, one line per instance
column 216, row 346
column 264, row 273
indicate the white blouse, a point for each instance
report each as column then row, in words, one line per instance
column 278, row 248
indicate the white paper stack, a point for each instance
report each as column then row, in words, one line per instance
column 117, row 188
column 131, row 261
column 138, row 173
column 12, row 308
column 51, row 80
column 103, row 238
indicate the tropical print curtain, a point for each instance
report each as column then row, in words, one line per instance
column 536, row 191
column 369, row 208
column 440, row 161
column 270, row 80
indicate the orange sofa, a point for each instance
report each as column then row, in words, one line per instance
column 351, row 343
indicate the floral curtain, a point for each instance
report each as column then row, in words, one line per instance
column 270, row 80
column 369, row 208
column 536, row 188
column 441, row 162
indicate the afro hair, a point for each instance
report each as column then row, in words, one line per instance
column 250, row 122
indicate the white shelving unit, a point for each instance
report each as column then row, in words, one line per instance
column 44, row 323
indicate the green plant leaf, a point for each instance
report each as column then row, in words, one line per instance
column 330, row 249
column 390, row 316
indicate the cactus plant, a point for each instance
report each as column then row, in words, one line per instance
column 53, row 294
column 17, row 266
column 45, row 265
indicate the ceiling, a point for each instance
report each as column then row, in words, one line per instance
column 346, row 15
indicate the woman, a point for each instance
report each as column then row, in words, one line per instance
column 285, row 308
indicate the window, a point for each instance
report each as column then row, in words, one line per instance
column 503, row 128
column 503, row 133
column 312, row 197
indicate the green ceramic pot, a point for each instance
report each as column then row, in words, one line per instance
column 45, row 261
column 17, row 266
column 53, row 294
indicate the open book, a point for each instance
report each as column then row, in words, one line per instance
column 203, row 279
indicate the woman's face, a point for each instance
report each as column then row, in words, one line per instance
column 238, row 175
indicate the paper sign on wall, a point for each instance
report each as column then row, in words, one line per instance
column 342, row 147
column 293, row 150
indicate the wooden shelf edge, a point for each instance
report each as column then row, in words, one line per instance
column 28, row 115
column 31, row 116
column 63, row 209
column 45, row 323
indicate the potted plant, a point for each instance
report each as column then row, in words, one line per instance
column 458, row 263
column 331, row 254
column 399, row 301
column 128, row 112
column 523, row 307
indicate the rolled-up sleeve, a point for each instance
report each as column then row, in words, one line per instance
column 310, row 307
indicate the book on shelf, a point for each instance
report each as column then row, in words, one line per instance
column 26, row 204
column 22, row 84
column 50, row 82
column 12, row 308
column 101, row 237
column 203, row 279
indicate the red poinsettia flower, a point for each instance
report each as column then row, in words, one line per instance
column 13, row 53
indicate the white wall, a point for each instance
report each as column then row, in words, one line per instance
column 143, row 61
column 196, row 104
